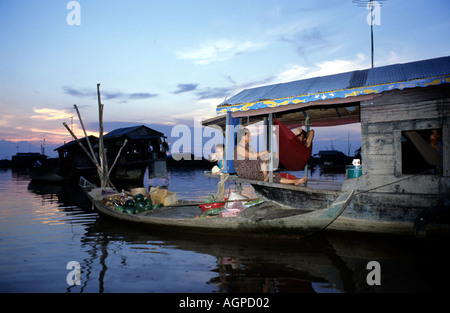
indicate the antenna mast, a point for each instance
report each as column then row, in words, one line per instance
column 370, row 4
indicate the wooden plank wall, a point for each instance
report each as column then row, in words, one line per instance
column 382, row 121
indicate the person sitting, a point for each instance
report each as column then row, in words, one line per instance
column 435, row 140
column 250, row 164
column 217, row 156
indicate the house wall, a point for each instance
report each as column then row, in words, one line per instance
column 382, row 121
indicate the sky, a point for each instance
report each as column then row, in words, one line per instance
column 167, row 63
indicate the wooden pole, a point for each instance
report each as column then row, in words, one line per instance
column 307, row 130
column 117, row 157
column 270, row 163
column 84, row 130
column 102, row 162
column 101, row 148
column 82, row 147
column 371, row 31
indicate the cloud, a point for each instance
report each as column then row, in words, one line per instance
column 220, row 93
column 6, row 119
column 77, row 93
column 296, row 72
column 216, row 92
column 85, row 93
column 219, row 50
column 337, row 66
column 292, row 73
column 307, row 41
column 140, row 95
column 51, row 114
column 185, row 88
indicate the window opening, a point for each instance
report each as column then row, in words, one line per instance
column 421, row 151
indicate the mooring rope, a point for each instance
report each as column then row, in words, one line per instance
column 221, row 186
column 395, row 182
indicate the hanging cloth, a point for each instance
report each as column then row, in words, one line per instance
column 430, row 155
column 292, row 152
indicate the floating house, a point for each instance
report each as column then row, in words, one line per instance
column 145, row 149
column 404, row 113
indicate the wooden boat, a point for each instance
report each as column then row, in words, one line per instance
column 267, row 218
column 400, row 190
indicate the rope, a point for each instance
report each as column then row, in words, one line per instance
column 221, row 186
column 395, row 182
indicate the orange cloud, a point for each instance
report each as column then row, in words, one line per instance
column 59, row 135
column 51, row 114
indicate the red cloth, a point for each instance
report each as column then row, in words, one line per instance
column 292, row 152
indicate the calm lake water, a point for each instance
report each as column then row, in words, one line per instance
column 44, row 227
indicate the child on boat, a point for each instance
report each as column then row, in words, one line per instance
column 218, row 156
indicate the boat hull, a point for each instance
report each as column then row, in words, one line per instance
column 369, row 212
column 267, row 218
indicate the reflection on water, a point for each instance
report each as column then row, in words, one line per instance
column 43, row 227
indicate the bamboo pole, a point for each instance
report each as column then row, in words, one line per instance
column 117, row 157
column 102, row 163
column 82, row 147
column 84, row 130
column 270, row 164
column 307, row 130
column 100, row 169
column 101, row 148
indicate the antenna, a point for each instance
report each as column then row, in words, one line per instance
column 370, row 4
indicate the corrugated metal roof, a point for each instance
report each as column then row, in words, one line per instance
column 141, row 131
column 344, row 81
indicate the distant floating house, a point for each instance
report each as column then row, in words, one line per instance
column 25, row 160
column 145, row 148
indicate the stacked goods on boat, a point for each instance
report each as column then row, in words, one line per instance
column 229, row 207
column 138, row 200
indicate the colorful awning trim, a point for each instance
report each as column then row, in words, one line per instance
column 346, row 93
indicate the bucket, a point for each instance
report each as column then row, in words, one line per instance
column 353, row 171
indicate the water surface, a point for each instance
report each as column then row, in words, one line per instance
column 43, row 227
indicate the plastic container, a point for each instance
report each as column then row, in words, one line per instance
column 353, row 171
column 210, row 206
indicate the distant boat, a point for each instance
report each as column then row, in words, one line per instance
column 333, row 159
column 5, row 163
column 29, row 159
column 144, row 150
column 188, row 160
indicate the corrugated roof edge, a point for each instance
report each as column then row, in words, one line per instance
column 395, row 73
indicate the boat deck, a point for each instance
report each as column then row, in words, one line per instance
column 317, row 186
